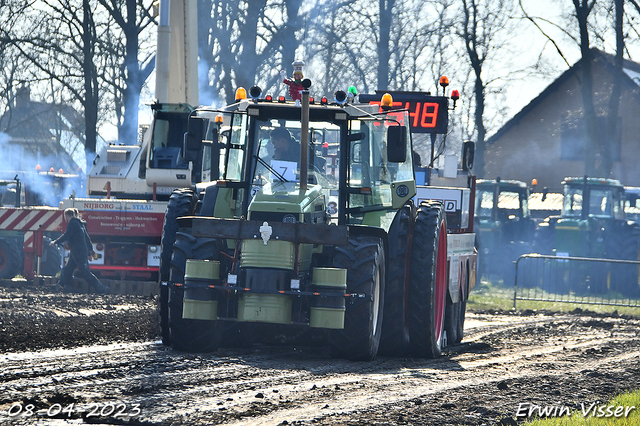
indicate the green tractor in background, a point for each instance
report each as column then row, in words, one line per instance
column 592, row 224
column 285, row 248
column 503, row 225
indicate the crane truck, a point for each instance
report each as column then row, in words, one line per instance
column 128, row 185
column 342, row 244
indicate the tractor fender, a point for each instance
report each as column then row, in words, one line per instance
column 371, row 231
column 207, row 204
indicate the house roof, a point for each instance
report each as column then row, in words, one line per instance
column 34, row 121
column 33, row 126
column 631, row 78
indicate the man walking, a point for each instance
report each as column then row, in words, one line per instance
column 80, row 250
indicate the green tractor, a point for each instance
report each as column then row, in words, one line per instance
column 504, row 226
column 304, row 245
column 592, row 224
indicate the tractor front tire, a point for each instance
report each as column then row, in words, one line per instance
column 190, row 335
column 394, row 340
column 428, row 281
column 181, row 203
column 364, row 260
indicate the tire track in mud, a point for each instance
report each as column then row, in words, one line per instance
column 272, row 385
column 439, row 376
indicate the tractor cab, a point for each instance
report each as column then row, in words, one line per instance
column 357, row 161
column 632, row 203
column 504, row 203
column 592, row 222
column 503, row 225
column 586, row 198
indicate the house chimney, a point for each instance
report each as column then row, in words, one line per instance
column 23, row 97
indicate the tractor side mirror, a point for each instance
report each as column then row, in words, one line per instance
column 468, row 152
column 397, row 144
column 356, row 152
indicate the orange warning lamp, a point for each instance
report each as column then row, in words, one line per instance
column 241, row 94
column 387, row 101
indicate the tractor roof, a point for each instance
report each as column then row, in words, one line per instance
column 591, row 181
column 502, row 183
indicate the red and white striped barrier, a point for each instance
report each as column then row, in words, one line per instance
column 32, row 222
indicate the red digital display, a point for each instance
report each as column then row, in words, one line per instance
column 428, row 114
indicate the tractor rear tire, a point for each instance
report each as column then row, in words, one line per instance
column 190, row 335
column 625, row 279
column 51, row 261
column 461, row 313
column 11, row 258
column 364, row 259
column 451, row 318
column 428, row 281
column 544, row 239
column 394, row 340
column 181, row 203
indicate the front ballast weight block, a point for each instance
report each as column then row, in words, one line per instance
column 268, row 308
column 265, row 288
column 278, row 254
column 328, row 312
column 263, row 298
column 199, row 301
column 326, row 307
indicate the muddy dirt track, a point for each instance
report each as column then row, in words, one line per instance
column 75, row 359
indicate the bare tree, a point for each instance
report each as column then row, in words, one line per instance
column 340, row 53
column 62, row 48
column 125, row 73
column 482, row 20
column 246, row 42
column 10, row 72
column 384, row 44
column 385, row 14
column 616, row 87
column 592, row 151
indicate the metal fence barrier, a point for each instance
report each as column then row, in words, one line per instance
column 580, row 280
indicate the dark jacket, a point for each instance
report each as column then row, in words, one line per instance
column 76, row 238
